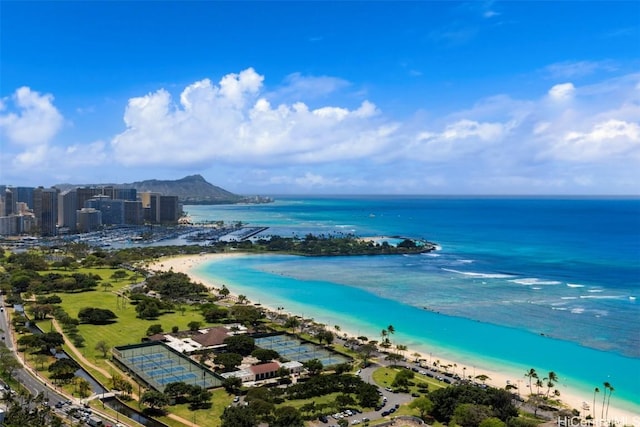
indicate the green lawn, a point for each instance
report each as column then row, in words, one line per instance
column 384, row 376
column 128, row 329
column 203, row 417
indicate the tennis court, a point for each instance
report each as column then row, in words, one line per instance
column 158, row 365
column 293, row 349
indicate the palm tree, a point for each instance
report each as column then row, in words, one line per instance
column 551, row 378
column 390, row 330
column 606, row 387
column 539, row 384
column 611, row 389
column 531, row 374
column 595, row 391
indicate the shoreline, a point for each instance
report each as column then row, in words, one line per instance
column 188, row 264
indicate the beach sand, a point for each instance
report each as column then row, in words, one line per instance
column 497, row 378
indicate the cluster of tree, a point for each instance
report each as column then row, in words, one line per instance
column 175, row 393
column 213, row 313
column 69, row 326
column 196, row 396
column 96, row 316
column 402, row 380
column 241, row 344
column 8, row 361
column 119, row 383
column 63, row 370
column 56, row 282
column 175, row 286
column 257, row 412
column 149, row 307
column 324, row 335
column 40, row 343
column 28, row 261
column 246, row 314
column 468, row 405
column 333, row 245
column 27, row 410
column 549, row 381
column 366, row 395
column 261, row 402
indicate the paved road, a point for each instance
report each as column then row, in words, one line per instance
column 27, row 377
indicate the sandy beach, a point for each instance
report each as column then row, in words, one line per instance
column 497, row 378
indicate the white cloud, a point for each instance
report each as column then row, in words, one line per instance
column 570, row 70
column 231, row 123
column 562, row 92
column 604, row 140
column 237, row 131
column 299, row 86
column 36, row 120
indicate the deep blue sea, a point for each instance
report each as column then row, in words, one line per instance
column 519, row 283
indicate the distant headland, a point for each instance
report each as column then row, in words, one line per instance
column 191, row 190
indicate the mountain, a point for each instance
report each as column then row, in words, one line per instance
column 192, row 189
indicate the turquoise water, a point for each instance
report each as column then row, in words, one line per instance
column 548, row 284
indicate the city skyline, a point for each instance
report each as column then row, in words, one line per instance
column 324, row 97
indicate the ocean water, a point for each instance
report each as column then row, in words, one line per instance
column 519, row 283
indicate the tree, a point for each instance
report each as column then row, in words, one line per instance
column 84, row 388
column 118, row 275
column 611, row 389
column 551, row 378
column 531, row 374
column 287, row 416
column 154, row 399
column 365, row 351
column 103, row 347
column 606, row 385
column 314, row 366
column 96, row 316
column 148, row 308
column 403, row 379
column 292, row 322
column 471, row 414
column 595, row 391
column 228, row 360
column 106, row 285
column 241, row 344
column 8, row 362
column 423, row 405
column 239, row 416
column 63, row 369
column 194, row 325
column 232, row 384
column 394, row 358
column 154, row 329
column 264, row 355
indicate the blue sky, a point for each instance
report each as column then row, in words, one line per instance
column 324, row 97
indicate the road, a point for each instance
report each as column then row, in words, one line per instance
column 25, row 376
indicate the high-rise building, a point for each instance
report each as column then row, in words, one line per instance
column 89, row 219
column 67, row 208
column 45, row 209
column 169, row 209
column 24, row 194
column 86, row 193
column 129, row 194
column 112, row 210
column 9, row 202
column 133, row 212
